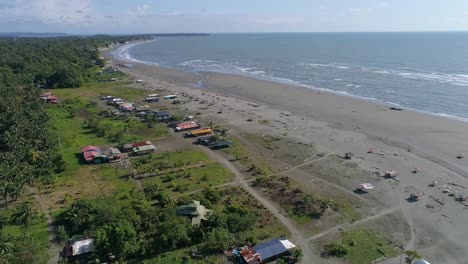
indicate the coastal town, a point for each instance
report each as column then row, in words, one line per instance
column 232, row 148
column 350, row 207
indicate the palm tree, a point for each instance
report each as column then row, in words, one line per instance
column 23, row 215
column 4, row 192
column 5, row 249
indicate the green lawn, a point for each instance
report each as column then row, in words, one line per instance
column 366, row 246
column 37, row 230
column 190, row 179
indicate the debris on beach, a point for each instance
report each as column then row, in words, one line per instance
column 415, row 196
column 372, row 150
column 396, row 108
column 391, row 174
column 348, row 155
column 365, row 187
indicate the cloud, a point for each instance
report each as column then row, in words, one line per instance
column 139, row 11
column 174, row 13
column 52, row 11
column 383, row 4
column 6, row 6
column 279, row 21
column 360, row 11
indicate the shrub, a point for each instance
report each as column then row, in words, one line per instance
column 336, row 250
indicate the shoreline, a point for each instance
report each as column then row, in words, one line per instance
column 335, row 125
column 288, row 82
column 412, row 130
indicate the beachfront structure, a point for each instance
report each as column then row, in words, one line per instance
column 128, row 107
column 141, row 150
column 186, row 126
column 129, row 147
column 144, row 108
column 107, row 97
column 200, row 132
column 113, row 154
column 93, row 154
column 115, row 101
column 151, row 99
column 161, row 116
column 80, row 247
column 195, row 211
column 170, row 96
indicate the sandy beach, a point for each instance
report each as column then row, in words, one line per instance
column 337, row 124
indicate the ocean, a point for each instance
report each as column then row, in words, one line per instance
column 422, row 71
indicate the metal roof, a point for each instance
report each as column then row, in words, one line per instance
column 273, row 248
column 144, row 148
column 82, row 247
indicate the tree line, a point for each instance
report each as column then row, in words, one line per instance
column 28, row 146
column 146, row 224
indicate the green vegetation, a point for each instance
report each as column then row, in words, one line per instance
column 303, row 207
column 53, row 62
column 181, row 171
column 361, row 247
column 30, row 146
column 412, row 255
column 141, row 225
column 23, row 235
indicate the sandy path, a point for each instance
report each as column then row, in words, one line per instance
column 383, row 213
column 55, row 249
column 308, row 255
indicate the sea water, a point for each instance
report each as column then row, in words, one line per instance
column 422, row 71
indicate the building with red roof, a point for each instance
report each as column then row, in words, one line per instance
column 93, row 154
column 186, row 126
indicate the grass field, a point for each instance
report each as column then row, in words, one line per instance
column 71, row 118
column 185, row 171
column 366, row 246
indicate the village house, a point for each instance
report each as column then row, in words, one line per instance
column 113, row 154
column 129, row 147
column 93, row 154
column 266, row 251
column 78, row 248
column 141, row 150
column 127, row 107
column 195, row 211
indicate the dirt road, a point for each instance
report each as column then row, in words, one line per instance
column 296, row 236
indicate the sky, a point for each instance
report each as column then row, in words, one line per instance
column 170, row 16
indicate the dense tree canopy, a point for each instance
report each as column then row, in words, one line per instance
column 28, row 148
column 53, row 62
